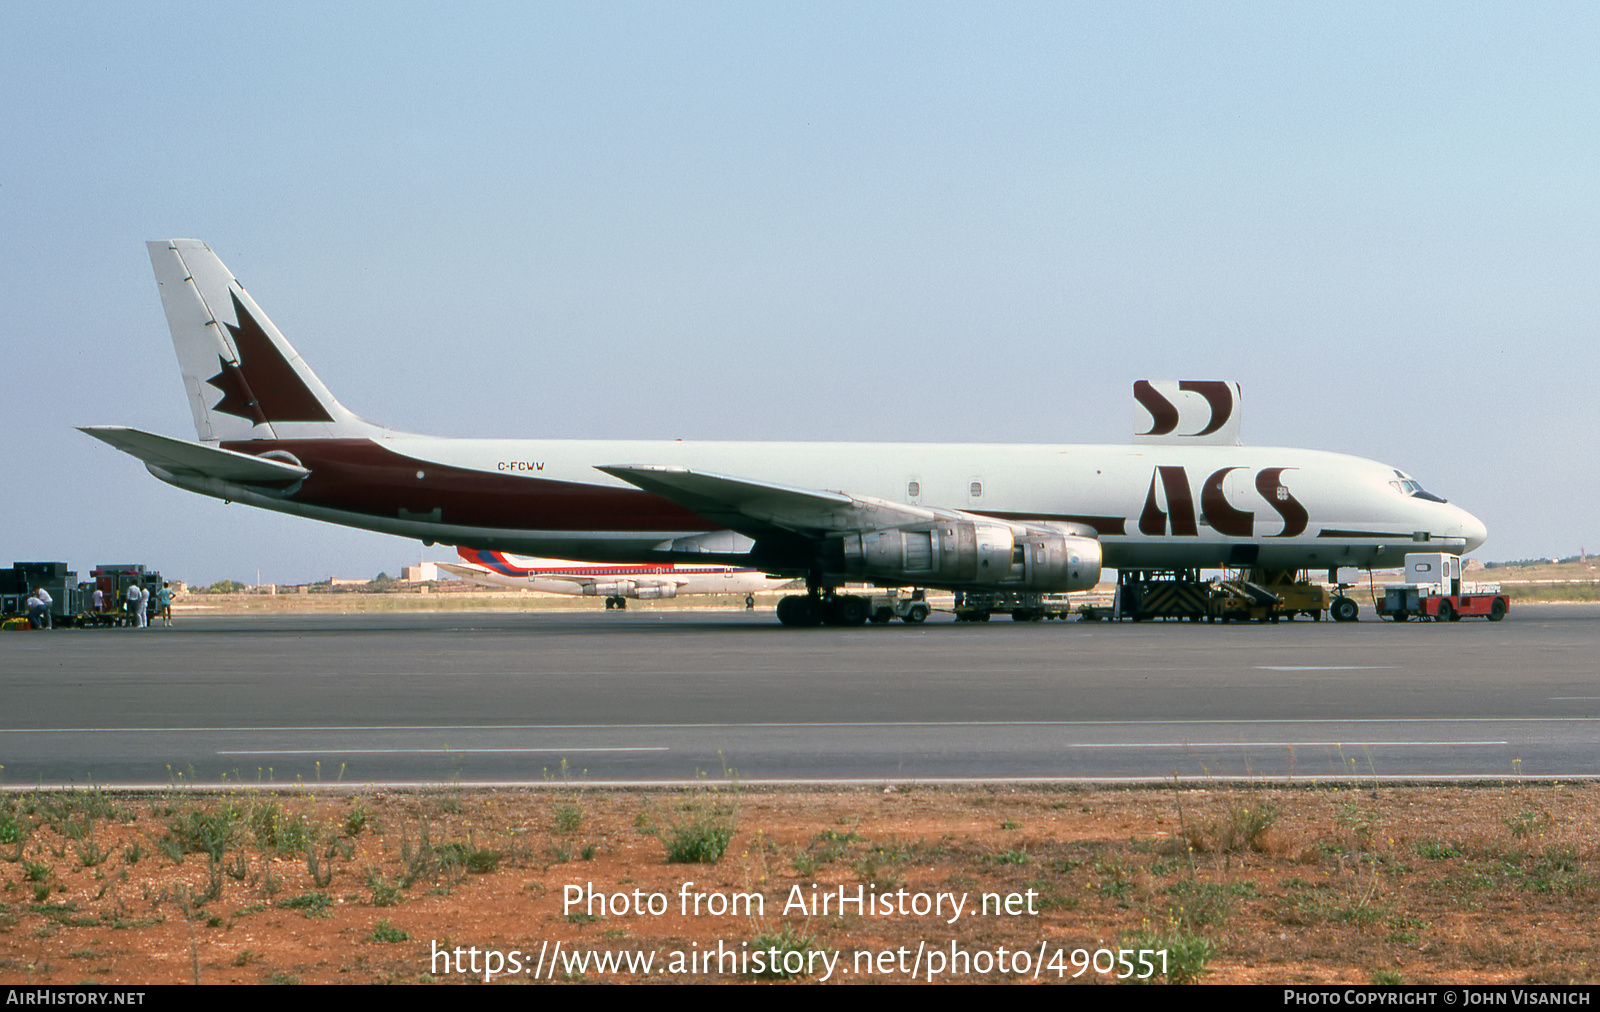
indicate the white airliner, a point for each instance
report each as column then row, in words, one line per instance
column 1003, row 519
column 647, row 581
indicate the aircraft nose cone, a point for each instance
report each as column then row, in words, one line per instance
column 1473, row 530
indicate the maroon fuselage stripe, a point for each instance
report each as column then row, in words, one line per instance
column 360, row 476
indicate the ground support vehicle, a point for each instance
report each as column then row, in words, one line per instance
column 113, row 581
column 1434, row 590
column 1241, row 600
column 72, row 603
column 19, row 582
column 1022, row 607
column 1170, row 593
column 1297, row 595
column 910, row 608
column 1242, row 595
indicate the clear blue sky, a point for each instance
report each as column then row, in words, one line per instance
column 819, row 221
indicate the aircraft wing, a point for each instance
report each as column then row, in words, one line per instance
column 757, row 508
column 179, row 456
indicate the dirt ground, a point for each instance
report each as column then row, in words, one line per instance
column 1333, row 883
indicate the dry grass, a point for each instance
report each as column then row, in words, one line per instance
column 1332, row 884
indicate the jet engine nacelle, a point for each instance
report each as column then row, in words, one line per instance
column 971, row 553
column 656, row 592
column 609, row 588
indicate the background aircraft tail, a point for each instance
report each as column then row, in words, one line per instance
column 244, row 380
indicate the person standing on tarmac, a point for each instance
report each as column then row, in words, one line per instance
column 45, row 604
column 164, row 604
column 144, row 608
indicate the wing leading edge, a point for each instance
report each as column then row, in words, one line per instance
column 831, row 533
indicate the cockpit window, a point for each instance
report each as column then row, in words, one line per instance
column 1412, row 487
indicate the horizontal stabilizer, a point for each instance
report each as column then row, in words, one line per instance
column 179, row 456
column 489, row 578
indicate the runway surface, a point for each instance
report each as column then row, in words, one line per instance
column 598, row 697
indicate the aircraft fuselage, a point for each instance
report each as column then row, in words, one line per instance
column 1152, row 506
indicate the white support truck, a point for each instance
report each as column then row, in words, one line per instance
column 1434, row 590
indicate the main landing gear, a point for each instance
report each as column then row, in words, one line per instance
column 620, row 603
column 824, row 608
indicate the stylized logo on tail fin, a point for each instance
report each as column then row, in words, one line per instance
column 491, row 560
column 264, row 384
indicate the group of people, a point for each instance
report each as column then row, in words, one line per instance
column 136, row 602
column 39, row 604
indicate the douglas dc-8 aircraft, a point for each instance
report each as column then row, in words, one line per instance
column 981, row 519
column 648, row 581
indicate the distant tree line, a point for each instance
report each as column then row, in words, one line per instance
column 1535, row 562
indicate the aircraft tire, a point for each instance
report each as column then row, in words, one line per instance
column 846, row 610
column 1343, row 609
column 794, row 610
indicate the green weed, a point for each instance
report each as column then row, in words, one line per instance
column 1436, row 850
column 569, row 818
column 1526, row 822
column 197, row 831
column 1187, row 954
column 701, row 840
column 278, row 831
column 314, row 904
column 383, row 931
column 10, row 827
column 777, row 945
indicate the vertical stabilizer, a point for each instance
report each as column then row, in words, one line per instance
column 244, row 380
column 1195, row 412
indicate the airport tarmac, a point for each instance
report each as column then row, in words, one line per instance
column 603, row 697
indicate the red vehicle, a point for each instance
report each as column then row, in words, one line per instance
column 1434, row 591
